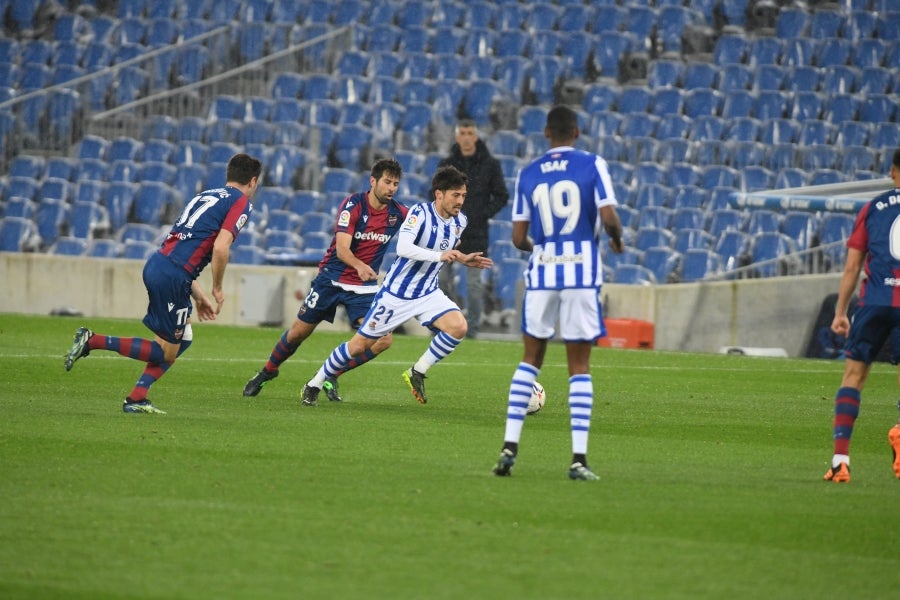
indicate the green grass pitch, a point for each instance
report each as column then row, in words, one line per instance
column 710, row 469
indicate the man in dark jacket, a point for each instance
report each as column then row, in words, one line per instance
column 487, row 194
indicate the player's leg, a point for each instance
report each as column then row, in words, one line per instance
column 581, row 324
column 451, row 328
column 86, row 340
column 867, row 334
column 319, row 305
column 154, row 371
column 336, row 362
column 539, row 314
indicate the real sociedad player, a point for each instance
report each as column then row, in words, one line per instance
column 426, row 242
column 203, row 234
column 873, row 247
column 348, row 273
column 563, row 201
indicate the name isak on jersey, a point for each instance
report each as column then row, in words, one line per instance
column 554, row 165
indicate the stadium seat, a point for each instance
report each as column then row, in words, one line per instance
column 755, row 177
column 687, row 218
column 814, row 131
column 876, row 108
column 703, row 102
column 609, row 48
column 770, row 254
column 649, row 237
column 770, row 105
column 151, row 201
column 734, row 76
column 690, row 196
column 801, row 227
column 138, row 250
column 51, row 215
column 803, row 78
column 692, row 238
column 858, row 158
column 725, row 219
column 790, row 177
column 826, row 176
column 732, row 247
column 778, row 131
column 104, row 248
column 730, row 48
column 69, row 246
column 699, row 75
column 762, row 220
column 738, row 104
column 817, row 156
column 698, row 264
column 17, row 206
column 832, row 52
column 87, row 219
column 664, row 263
column 633, row 275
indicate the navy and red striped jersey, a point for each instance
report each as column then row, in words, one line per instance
column 371, row 231
column 190, row 242
column 877, row 233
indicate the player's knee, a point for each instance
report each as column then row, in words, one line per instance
column 383, row 343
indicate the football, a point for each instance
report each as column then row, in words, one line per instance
column 536, row 402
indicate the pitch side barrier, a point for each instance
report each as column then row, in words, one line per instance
column 838, row 197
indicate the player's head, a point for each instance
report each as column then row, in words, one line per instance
column 448, row 186
column 895, row 168
column 386, row 165
column 896, row 161
column 562, row 126
column 384, row 179
column 243, row 169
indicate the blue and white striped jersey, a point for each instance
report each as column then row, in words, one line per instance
column 560, row 194
column 431, row 235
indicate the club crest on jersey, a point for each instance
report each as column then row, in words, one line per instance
column 179, row 333
column 392, row 220
column 344, row 218
column 242, row 221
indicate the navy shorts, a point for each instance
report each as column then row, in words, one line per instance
column 324, row 297
column 169, row 290
column 869, row 329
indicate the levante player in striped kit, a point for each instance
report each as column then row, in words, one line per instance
column 348, row 273
column 203, row 234
column 563, row 201
column 426, row 242
column 873, row 245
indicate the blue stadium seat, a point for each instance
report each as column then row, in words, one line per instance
column 690, row 196
column 157, row 171
column 652, row 215
column 771, row 104
column 833, row 52
column 742, row 129
column 664, row 263
column 730, row 48
column 826, row 176
column 734, row 76
column 69, row 246
column 874, row 80
column 801, row 227
column 18, row 234
column 687, row 218
column 87, row 219
column 699, row 75
column 765, row 51
column 719, row 175
column 138, row 250
column 673, row 127
column 825, row 24
column 55, row 188
column 771, row 249
column 769, row 77
column 806, row 106
column 803, row 78
column 779, row 131
column 877, row 108
column 732, row 247
column 633, row 275
column 702, row 102
column 667, row 102
column 51, row 214
column 738, row 103
column 791, row 177
column 690, row 238
column 151, row 201
column 28, row 166
column 814, row 131
column 609, row 49
column 104, row 248
column 710, row 152
column 792, row 22
column 755, row 177
column 698, row 264
column 725, row 219
column 762, row 220
column 817, row 156
column 638, row 124
column 839, row 108
column 648, row 172
column 885, row 135
column 858, row 158
column 649, row 237
column 869, row 52
column 17, row 206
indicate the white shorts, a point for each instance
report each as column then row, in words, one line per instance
column 577, row 310
column 389, row 312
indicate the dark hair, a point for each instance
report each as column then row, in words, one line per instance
column 386, row 165
column 896, row 161
column 562, row 122
column 242, row 168
column 448, row 178
column 465, row 123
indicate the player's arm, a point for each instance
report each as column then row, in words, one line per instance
column 342, row 247
column 220, row 253
column 613, row 226
column 407, row 248
column 852, row 269
column 520, row 237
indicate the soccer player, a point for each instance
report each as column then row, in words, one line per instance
column 562, row 202
column 871, row 246
column 426, row 242
column 202, row 235
column 348, row 273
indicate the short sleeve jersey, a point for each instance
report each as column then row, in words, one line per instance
column 423, row 226
column 371, row 231
column 877, row 233
column 561, row 194
column 190, row 242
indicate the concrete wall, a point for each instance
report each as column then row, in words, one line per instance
column 774, row 312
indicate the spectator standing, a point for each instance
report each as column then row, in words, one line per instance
column 348, row 273
column 562, row 202
column 203, row 234
column 871, row 246
column 487, row 194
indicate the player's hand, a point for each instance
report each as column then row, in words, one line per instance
column 841, row 325
column 476, row 260
column 448, row 256
column 617, row 246
column 366, row 273
column 219, row 295
column 205, row 309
